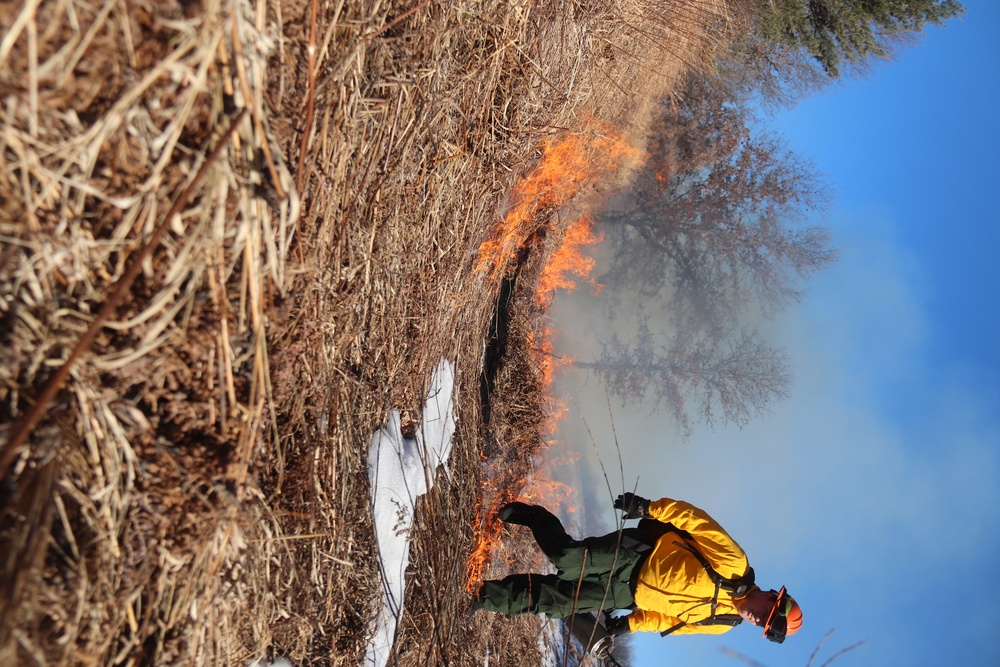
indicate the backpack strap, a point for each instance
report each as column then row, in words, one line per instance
column 649, row 532
column 732, row 620
column 672, row 629
column 736, row 587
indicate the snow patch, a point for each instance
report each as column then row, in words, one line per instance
column 278, row 662
column 400, row 470
column 558, row 647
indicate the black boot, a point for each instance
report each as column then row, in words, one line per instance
column 520, row 513
column 477, row 603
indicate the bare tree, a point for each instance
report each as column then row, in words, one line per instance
column 720, row 213
column 773, row 75
column 727, row 381
column 715, row 232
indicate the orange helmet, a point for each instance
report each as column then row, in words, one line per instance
column 785, row 617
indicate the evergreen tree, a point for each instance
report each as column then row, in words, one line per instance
column 836, row 32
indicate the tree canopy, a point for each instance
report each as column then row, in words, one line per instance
column 720, row 214
column 713, row 236
column 835, row 32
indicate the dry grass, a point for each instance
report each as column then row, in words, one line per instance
column 195, row 492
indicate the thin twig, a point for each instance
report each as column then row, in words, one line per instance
column 310, row 98
column 842, row 651
column 732, row 653
column 819, row 645
column 576, row 598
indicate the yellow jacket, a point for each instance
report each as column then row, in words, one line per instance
column 672, row 585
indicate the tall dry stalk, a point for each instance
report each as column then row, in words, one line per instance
column 133, row 261
column 195, row 493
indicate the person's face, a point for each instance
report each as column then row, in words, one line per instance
column 755, row 606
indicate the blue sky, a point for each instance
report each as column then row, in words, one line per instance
column 873, row 493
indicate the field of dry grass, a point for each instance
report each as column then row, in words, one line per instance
column 233, row 235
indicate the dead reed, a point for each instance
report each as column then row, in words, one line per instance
column 193, row 491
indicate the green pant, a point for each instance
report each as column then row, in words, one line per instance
column 593, row 575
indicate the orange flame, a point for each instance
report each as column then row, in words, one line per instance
column 547, row 361
column 487, row 535
column 542, row 489
column 568, row 163
column 569, row 259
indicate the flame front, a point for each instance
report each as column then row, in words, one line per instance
column 569, row 259
column 567, row 164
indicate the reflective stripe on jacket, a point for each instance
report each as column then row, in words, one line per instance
column 672, row 586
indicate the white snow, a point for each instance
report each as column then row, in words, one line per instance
column 551, row 644
column 558, row 647
column 278, row 662
column 400, row 470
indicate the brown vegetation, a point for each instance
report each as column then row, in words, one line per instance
column 195, row 490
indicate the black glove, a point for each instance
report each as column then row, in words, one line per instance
column 617, row 626
column 635, row 507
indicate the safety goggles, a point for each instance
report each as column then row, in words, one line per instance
column 777, row 621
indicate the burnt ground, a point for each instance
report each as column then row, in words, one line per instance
column 195, row 489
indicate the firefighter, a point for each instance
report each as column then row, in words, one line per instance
column 677, row 571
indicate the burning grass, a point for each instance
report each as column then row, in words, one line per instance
column 194, row 490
